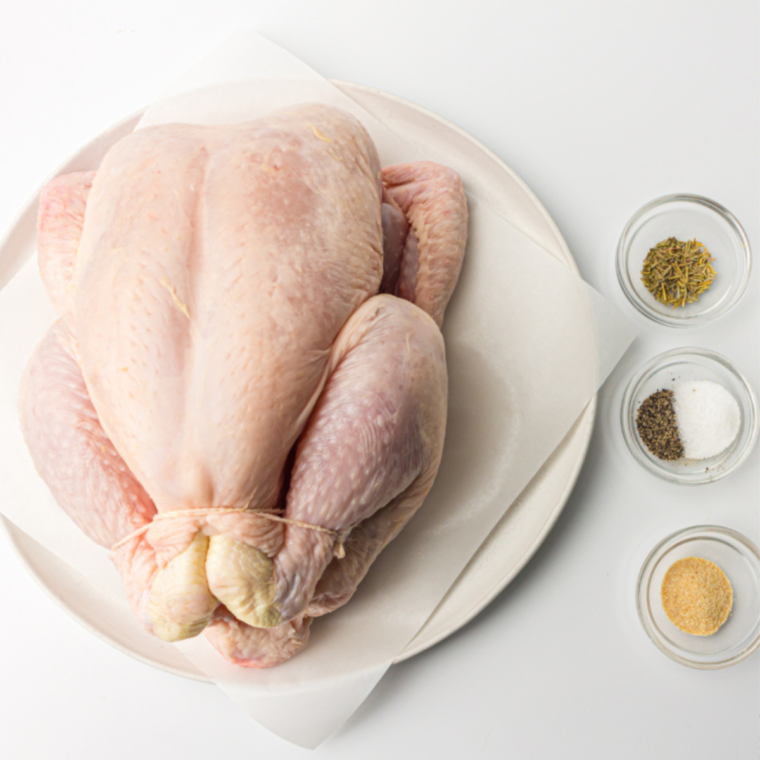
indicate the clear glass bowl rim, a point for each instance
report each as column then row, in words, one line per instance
column 654, row 365
column 622, row 257
column 642, row 588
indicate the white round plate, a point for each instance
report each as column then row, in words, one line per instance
column 514, row 539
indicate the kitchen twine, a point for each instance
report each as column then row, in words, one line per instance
column 339, row 536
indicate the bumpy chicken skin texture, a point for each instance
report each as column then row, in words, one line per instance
column 221, row 346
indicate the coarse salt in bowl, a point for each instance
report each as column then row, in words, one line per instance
column 682, row 369
column 709, row 418
column 685, row 217
column 739, row 559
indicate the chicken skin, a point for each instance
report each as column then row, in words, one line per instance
column 244, row 397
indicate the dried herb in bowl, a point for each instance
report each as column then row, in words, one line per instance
column 677, row 272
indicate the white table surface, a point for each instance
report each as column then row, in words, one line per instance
column 600, row 107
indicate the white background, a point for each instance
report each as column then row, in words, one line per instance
column 600, row 107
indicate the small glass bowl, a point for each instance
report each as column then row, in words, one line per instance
column 663, row 372
column 739, row 559
column 685, row 217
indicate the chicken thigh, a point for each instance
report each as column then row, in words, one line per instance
column 245, row 394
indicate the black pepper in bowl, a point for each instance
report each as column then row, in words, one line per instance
column 656, row 423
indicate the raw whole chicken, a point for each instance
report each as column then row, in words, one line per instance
column 244, row 397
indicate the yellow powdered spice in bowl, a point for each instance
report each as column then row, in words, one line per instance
column 696, row 596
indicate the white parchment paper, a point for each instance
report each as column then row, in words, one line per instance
column 528, row 344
